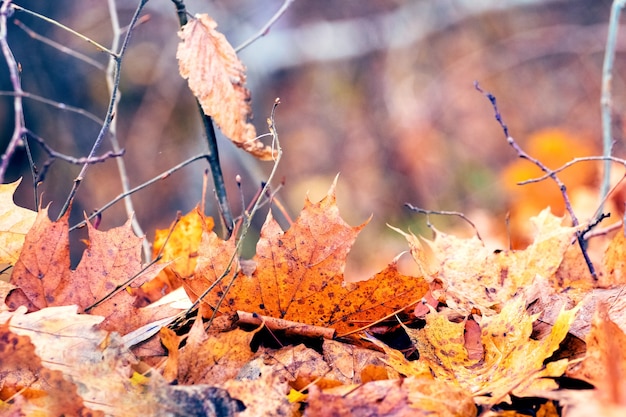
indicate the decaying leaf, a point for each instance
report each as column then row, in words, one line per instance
column 513, row 362
column 27, row 387
column 299, row 274
column 404, row 397
column 476, row 277
column 43, row 276
column 604, row 365
column 217, row 78
column 207, row 359
column 15, row 222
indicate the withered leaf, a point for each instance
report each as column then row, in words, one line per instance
column 299, row 274
column 475, row 277
column 217, row 78
column 513, row 362
column 40, row 389
column 15, row 222
column 43, row 276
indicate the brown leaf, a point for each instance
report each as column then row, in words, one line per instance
column 299, row 274
column 605, row 363
column 43, row 276
column 41, row 389
column 405, row 397
column 217, row 78
column 207, row 359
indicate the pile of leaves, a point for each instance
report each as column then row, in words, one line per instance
column 203, row 332
column 478, row 330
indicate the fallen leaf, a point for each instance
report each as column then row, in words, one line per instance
column 43, row 276
column 207, row 359
column 604, row 364
column 404, row 397
column 476, row 277
column 217, row 77
column 264, row 395
column 15, row 222
column 41, row 390
column 614, row 262
column 181, row 246
column 299, row 274
column 513, row 362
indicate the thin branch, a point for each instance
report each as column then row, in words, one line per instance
column 121, row 166
column 248, row 217
column 70, row 159
column 266, row 28
column 606, row 100
column 572, row 162
column 110, row 111
column 57, row 104
column 442, row 213
column 58, row 46
column 522, row 154
column 139, row 187
column 67, row 29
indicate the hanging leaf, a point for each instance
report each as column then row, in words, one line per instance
column 216, row 77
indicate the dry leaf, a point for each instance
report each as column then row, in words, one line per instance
column 475, row 277
column 43, row 276
column 397, row 398
column 299, row 274
column 40, row 390
column 206, row 359
column 217, row 77
column 513, row 362
column 15, row 222
column 605, row 362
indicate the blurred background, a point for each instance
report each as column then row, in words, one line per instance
column 380, row 91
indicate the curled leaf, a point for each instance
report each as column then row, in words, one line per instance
column 216, row 77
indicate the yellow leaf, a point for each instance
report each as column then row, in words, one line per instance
column 15, row 222
column 476, row 277
column 513, row 362
column 217, row 77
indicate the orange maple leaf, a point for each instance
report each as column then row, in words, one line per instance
column 44, row 278
column 217, row 78
column 299, row 274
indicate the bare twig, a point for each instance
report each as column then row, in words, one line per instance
column 110, row 110
column 70, row 30
column 70, row 159
column 247, row 219
column 121, row 166
column 522, row 154
column 140, row 187
column 266, row 28
column 58, row 46
column 17, row 138
column 442, row 213
column 57, row 104
column 606, row 100
column 572, row 162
